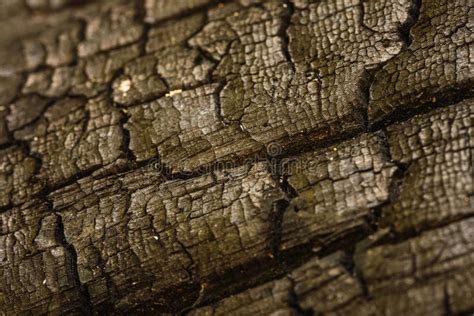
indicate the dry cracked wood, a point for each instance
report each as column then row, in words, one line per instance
column 285, row 157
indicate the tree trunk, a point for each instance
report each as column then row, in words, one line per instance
column 242, row 157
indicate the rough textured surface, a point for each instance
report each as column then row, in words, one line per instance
column 436, row 154
column 322, row 286
column 397, row 279
column 240, row 157
column 202, row 228
column 435, row 68
column 337, row 190
column 36, row 265
column 437, row 264
column 17, row 176
column 74, row 136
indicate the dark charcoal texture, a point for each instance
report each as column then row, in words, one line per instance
column 245, row 157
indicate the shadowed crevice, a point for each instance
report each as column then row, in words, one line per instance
column 86, row 305
column 405, row 28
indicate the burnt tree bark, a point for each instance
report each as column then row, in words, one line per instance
column 242, row 157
